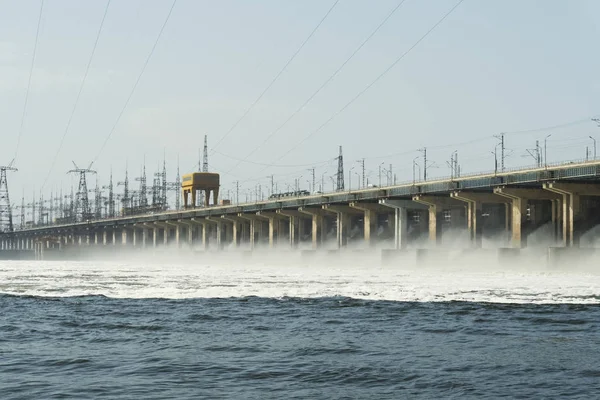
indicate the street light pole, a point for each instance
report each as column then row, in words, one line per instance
column 380, row 173
column 546, row 150
column 415, row 163
column 594, row 146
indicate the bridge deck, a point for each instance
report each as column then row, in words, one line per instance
column 587, row 171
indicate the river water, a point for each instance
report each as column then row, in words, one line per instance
column 287, row 329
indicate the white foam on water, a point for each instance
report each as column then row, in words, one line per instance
column 290, row 276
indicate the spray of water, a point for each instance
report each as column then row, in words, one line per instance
column 450, row 273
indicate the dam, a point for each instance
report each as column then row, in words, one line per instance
column 511, row 205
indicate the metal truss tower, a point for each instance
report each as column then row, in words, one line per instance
column 41, row 209
column 340, row 172
column 143, row 201
column 156, row 188
column 126, row 199
column 23, row 211
column 33, row 209
column 111, row 197
column 6, row 222
column 205, row 155
column 163, row 186
column 97, row 201
column 72, row 205
column 82, row 210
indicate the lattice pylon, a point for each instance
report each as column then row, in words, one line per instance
column 82, row 204
column 6, row 221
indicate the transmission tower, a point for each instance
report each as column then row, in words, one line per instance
column 177, row 187
column 205, row 155
column 72, row 205
column 51, row 208
column 97, row 201
column 6, row 222
column 143, row 199
column 163, row 194
column 111, row 197
column 23, row 210
column 156, row 189
column 82, row 210
column 126, row 198
column 41, row 210
column 340, row 172
column 61, row 206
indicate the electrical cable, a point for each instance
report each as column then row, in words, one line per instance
column 548, row 128
column 274, row 165
column 37, row 35
column 366, row 88
column 327, row 81
column 82, row 84
column 137, row 81
column 275, row 78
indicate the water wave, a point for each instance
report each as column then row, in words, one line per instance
column 288, row 278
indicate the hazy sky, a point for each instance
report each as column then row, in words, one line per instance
column 490, row 67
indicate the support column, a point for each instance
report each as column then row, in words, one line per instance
column 436, row 205
column 519, row 198
column 236, row 228
column 401, row 208
column 344, row 214
column 178, row 231
column 571, row 210
column 295, row 222
column 219, row 224
column 205, row 223
column 274, row 220
column 370, row 211
column 255, row 230
column 144, row 237
column 318, row 229
column 475, row 203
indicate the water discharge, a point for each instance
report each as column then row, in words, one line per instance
column 354, row 274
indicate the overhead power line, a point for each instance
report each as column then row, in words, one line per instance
column 281, row 71
column 137, row 81
column 37, row 35
column 274, row 165
column 548, row 128
column 81, row 85
column 324, row 84
column 373, row 82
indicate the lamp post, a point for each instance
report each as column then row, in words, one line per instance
column 350, row 179
column 594, row 146
column 415, row 164
column 323, row 181
column 546, row 150
column 380, row 173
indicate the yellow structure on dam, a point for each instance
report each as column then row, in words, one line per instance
column 204, row 181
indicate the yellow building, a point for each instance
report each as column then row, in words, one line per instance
column 204, row 181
